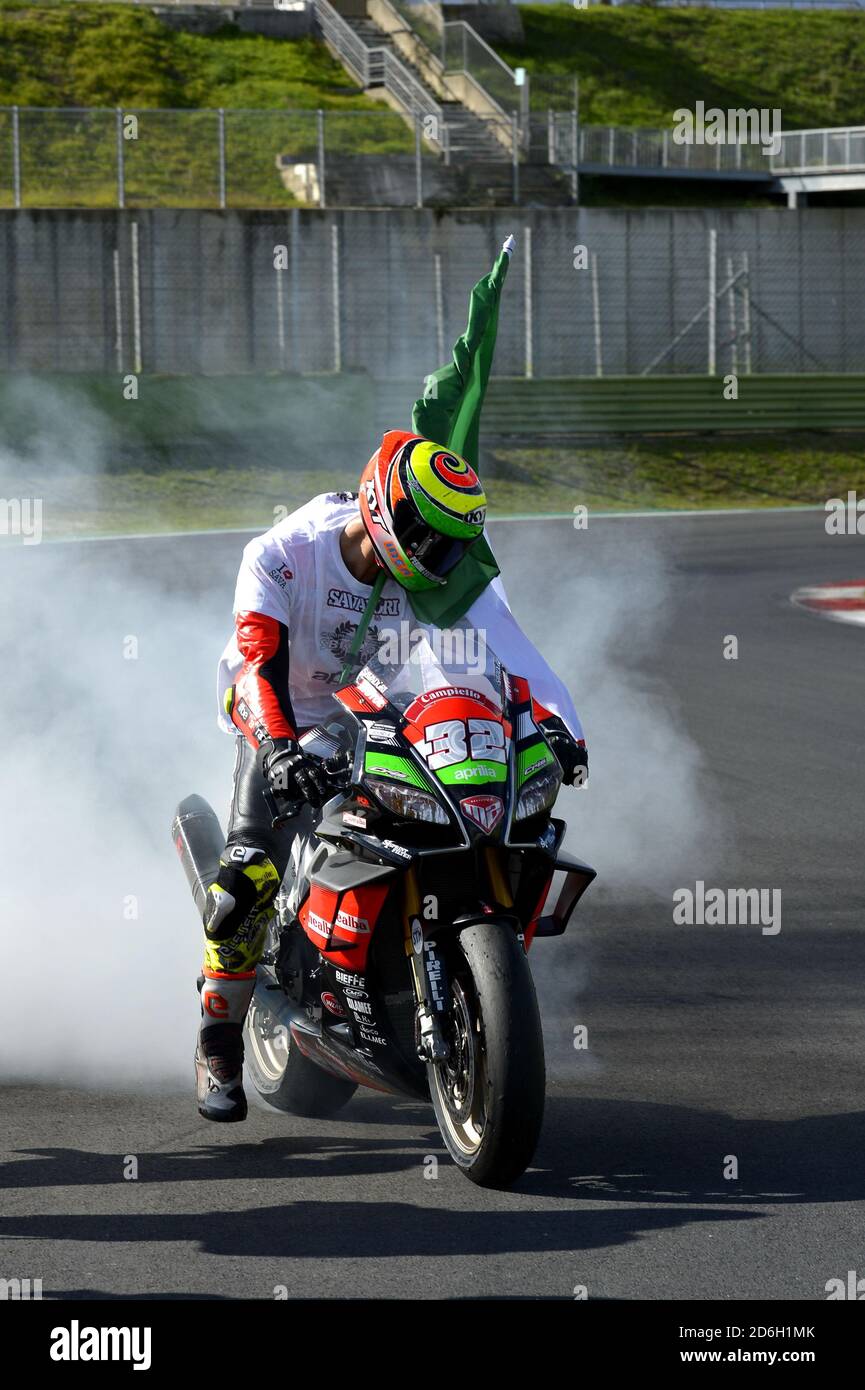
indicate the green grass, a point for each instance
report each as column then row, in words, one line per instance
column 639, row 475
column 637, row 65
column 746, row 471
column 120, row 55
column 108, row 56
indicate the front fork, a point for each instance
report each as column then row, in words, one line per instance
column 431, row 1044
column 428, row 984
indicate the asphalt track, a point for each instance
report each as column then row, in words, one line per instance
column 705, row 1042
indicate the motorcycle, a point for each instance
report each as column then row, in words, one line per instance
column 397, row 957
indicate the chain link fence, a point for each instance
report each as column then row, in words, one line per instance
column 590, row 292
column 100, row 157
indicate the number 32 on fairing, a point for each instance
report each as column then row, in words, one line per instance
column 454, row 740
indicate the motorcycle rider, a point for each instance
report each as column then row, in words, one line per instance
column 301, row 592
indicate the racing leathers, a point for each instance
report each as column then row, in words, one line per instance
column 297, row 608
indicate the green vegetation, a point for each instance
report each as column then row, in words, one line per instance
column 105, row 56
column 639, row 475
column 667, row 472
column 120, row 55
column 637, row 65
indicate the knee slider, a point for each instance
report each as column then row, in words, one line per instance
column 247, row 882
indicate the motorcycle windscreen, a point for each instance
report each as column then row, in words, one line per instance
column 450, row 687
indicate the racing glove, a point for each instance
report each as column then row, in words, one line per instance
column 291, row 774
column 573, row 756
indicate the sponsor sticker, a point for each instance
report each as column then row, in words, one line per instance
column 378, row 731
column 485, row 811
column 349, row 977
column 280, row 574
column 399, row 850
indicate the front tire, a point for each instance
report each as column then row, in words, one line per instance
column 284, row 1078
column 489, row 1094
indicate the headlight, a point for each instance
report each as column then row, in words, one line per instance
column 539, row 793
column 407, row 801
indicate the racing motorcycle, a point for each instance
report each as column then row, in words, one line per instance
column 397, row 957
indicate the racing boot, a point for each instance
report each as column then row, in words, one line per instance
column 219, row 1050
column 237, row 910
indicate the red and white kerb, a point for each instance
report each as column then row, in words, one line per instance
column 845, row 603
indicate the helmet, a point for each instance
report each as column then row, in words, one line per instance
column 422, row 506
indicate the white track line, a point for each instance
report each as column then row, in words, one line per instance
column 660, row 514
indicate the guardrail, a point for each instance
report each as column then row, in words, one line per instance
column 838, row 149
column 465, row 51
column 424, row 18
column 563, row 408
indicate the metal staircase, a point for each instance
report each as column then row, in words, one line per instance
column 468, row 135
column 481, row 157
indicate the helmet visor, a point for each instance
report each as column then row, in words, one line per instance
column 434, row 555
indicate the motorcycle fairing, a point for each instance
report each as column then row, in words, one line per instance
column 340, row 921
column 462, row 737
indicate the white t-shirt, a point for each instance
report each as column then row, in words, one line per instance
column 295, row 573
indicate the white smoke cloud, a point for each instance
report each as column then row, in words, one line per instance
column 597, row 605
column 100, row 748
column 101, row 944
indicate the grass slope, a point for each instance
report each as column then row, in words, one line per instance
column 120, row 55
column 637, row 64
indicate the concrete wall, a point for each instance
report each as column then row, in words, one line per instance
column 359, row 291
column 207, row 19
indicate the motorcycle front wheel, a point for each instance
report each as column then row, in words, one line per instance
column 488, row 1095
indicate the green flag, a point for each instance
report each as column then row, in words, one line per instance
column 449, row 412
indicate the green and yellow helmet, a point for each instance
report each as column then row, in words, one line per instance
column 422, row 506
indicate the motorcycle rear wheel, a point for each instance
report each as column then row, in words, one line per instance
column 488, row 1096
column 284, row 1078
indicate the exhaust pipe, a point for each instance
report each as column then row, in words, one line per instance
column 199, row 842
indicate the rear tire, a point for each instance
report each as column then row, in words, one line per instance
column 489, row 1096
column 284, row 1078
